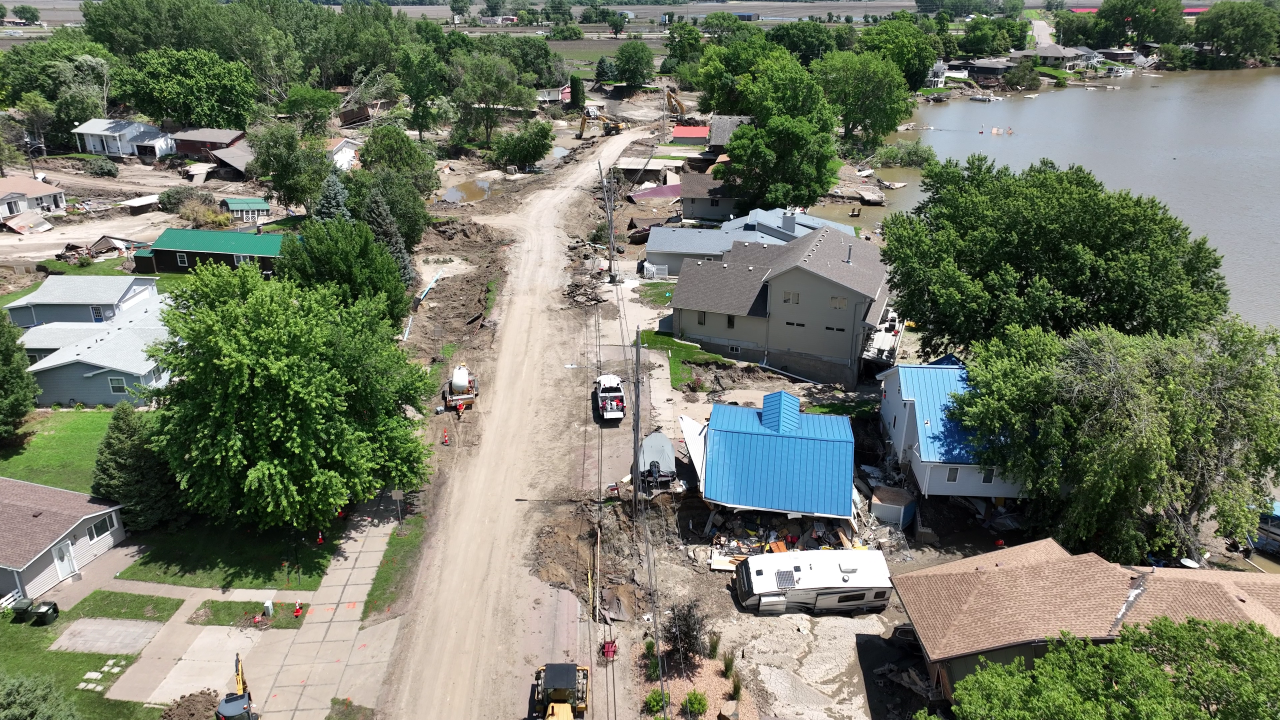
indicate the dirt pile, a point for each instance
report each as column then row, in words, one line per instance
column 196, row 706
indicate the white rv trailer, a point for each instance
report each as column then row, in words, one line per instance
column 819, row 581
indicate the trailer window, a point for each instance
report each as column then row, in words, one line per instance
column 851, row 598
column 880, row 595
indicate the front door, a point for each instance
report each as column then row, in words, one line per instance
column 62, row 558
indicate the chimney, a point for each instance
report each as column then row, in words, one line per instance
column 789, row 222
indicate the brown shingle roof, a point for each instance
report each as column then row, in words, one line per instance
column 34, row 517
column 26, row 186
column 698, row 185
column 1027, row 593
column 731, row 289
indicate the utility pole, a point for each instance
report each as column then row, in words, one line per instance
column 635, row 426
column 607, row 188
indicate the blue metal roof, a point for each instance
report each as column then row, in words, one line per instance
column 931, row 387
column 779, row 458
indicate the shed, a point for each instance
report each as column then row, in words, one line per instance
column 779, row 459
column 235, row 159
column 893, row 505
column 246, row 209
column 178, row 250
column 48, row 535
column 200, row 142
column 690, row 134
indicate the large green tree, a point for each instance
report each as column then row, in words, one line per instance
column 635, row 63
column 683, row 43
column 377, row 214
column 868, row 91
column 990, row 248
column 807, row 40
column 18, row 388
column 24, row 67
column 406, row 204
column 905, row 44
column 389, row 147
column 1073, row 29
column 346, row 255
column 723, row 68
column 285, row 404
column 785, row 162
column 486, row 86
column 133, row 474
column 424, row 77
column 297, row 166
column 311, row 108
column 1142, row 21
column 191, row 87
column 725, row 28
column 527, row 145
column 1239, row 30
column 1127, row 444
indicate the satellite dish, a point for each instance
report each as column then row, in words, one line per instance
column 1189, row 563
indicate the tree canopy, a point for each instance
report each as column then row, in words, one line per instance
column 130, row 472
column 297, row 166
column 1126, row 444
column 400, row 195
column 1140, row 21
column 346, row 256
column 191, row 87
column 311, row 108
column 285, row 404
column 1239, row 30
column 991, row 248
column 807, row 40
column 527, row 145
column 905, row 44
column 34, row 698
column 389, row 147
column 634, row 60
column 18, row 388
column 486, row 84
column 786, row 162
column 868, row 92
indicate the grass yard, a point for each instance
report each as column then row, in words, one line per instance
column 60, row 449
column 165, row 282
column 933, row 91
column 395, row 570
column 1055, row 72
column 216, row 556
column 240, row 614
column 680, row 353
column 657, row 293
column 26, row 652
column 284, row 224
column 860, row 409
column 17, row 294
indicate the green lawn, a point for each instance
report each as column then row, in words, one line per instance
column 240, row 614
column 861, row 409
column 395, row 571
column 165, row 282
column 60, row 449
column 26, row 652
column 127, row 606
column 657, row 293
column 223, row 556
column 1055, row 72
column 680, row 353
column 6, row 299
column 933, row 91
column 284, row 224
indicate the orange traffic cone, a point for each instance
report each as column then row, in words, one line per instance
column 446, row 436
column 320, row 538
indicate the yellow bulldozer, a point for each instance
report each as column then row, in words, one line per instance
column 562, row 691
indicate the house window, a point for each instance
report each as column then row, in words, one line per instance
column 702, row 318
column 851, row 598
column 839, row 329
column 102, row 527
column 32, row 359
column 97, row 313
column 117, row 386
column 182, row 259
column 715, row 203
column 953, row 474
column 729, row 320
column 988, row 476
column 242, row 259
column 791, row 298
column 735, row 350
column 12, row 208
column 839, row 303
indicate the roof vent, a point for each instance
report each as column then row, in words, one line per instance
column 750, row 268
column 37, row 513
column 699, row 262
column 725, row 265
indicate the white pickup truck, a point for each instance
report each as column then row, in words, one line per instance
column 611, row 403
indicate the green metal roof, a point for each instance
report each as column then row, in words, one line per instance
column 246, row 204
column 143, row 253
column 215, row 241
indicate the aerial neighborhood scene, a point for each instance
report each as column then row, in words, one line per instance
column 736, row 360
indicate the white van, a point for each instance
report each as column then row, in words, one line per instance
column 819, row 581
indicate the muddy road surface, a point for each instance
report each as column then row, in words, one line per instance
column 481, row 623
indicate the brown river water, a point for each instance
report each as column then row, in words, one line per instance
column 1204, row 143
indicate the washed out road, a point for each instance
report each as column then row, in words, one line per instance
column 481, row 623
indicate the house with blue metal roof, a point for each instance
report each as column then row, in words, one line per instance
column 779, row 459
column 914, row 401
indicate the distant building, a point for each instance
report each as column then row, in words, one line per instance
column 1119, row 55
column 914, row 403
column 1056, row 56
column 178, row 251
column 690, row 134
column 937, row 75
column 19, row 194
column 201, row 142
column 121, row 138
column 747, row 17
column 705, row 198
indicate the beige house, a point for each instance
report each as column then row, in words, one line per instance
column 704, row 198
column 804, row 308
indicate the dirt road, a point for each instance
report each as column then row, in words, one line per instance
column 481, row 623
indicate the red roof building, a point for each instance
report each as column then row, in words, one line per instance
column 690, row 134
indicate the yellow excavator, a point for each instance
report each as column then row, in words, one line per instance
column 239, row 704
column 608, row 126
column 562, row 691
column 679, row 113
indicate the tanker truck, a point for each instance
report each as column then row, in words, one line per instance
column 462, row 390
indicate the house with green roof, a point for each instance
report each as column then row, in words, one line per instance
column 178, row 250
column 246, row 209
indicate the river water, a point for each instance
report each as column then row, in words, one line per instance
column 1204, row 143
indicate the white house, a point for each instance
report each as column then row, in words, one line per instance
column 342, row 152
column 913, row 407
column 20, row 194
column 48, row 535
column 101, row 136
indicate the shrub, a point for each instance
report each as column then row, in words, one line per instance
column 695, row 704
column 84, row 261
column 685, row 632
column 202, row 215
column 653, row 672
column 79, row 406
column 34, row 698
column 906, row 153
column 173, row 198
column 736, row 692
column 566, row 32
column 529, row 144
column 649, row 647
column 656, row 701
column 713, row 645
column 727, row 659
column 101, row 167
column 1061, row 82
column 555, row 112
